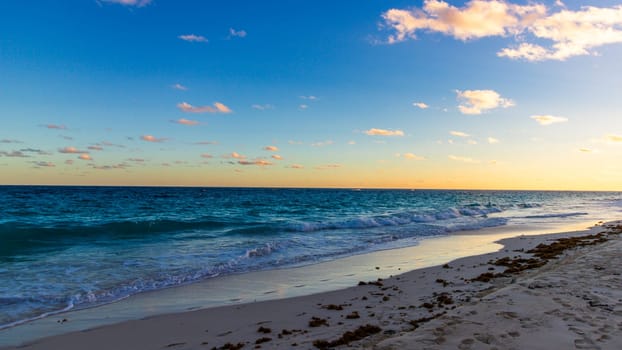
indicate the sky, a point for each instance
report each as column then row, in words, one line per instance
column 481, row 94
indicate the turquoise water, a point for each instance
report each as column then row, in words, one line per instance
column 76, row 247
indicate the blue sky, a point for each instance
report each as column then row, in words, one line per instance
column 87, row 86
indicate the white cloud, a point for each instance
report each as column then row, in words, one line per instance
column 459, row 133
column 237, row 33
column 71, row 150
column 277, row 157
column 571, row 33
column 421, row 105
column 464, row 159
column 234, row 155
column 136, row 3
column 151, row 138
column 184, row 121
column 303, row 106
column 472, row 142
column 479, row 101
column 297, row 166
column 310, row 97
column 412, row 156
column 271, row 148
column 548, row 119
column 477, row 19
column 492, row 140
column 179, row 87
column 193, row 38
column 85, row 156
column 586, row 150
column 384, row 132
column 613, row 138
column 216, row 108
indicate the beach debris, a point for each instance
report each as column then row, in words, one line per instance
column 348, row 337
column 263, row 340
column 316, row 322
column 416, row 323
column 230, row 346
column 353, row 315
column 555, row 249
column 444, row 299
column 333, row 307
column 442, row 281
column 263, row 329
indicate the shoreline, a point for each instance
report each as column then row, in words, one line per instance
column 285, row 296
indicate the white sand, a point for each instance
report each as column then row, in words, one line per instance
column 573, row 302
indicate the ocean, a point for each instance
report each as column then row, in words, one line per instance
column 64, row 248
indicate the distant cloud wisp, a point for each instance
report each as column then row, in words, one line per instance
column 459, row 133
column 151, row 138
column 464, row 159
column 184, row 121
column 421, row 105
column 271, row 148
column 384, row 132
column 480, row 101
column 548, row 119
column 193, row 38
column 262, row 107
column 613, row 138
column 70, row 150
column 216, row 108
column 258, row 162
column 55, row 126
column 412, row 156
column 136, row 3
column 14, row 154
column 237, row 33
column 179, row 87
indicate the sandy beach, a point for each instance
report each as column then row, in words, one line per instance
column 536, row 292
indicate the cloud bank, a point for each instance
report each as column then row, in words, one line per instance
column 216, row 108
column 568, row 33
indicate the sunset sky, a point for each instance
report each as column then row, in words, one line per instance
column 384, row 94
